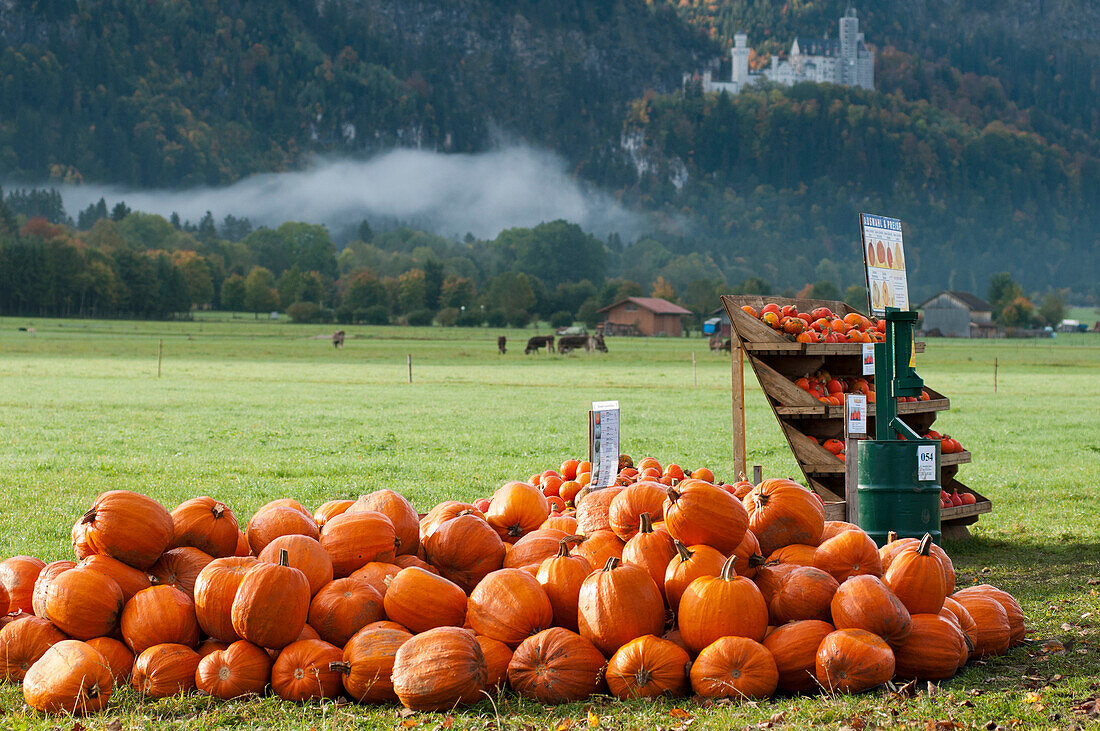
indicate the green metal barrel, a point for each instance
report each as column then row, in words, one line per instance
column 890, row 495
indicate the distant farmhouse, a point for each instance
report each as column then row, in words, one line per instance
column 845, row 60
column 958, row 315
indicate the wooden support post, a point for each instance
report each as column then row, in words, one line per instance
column 410, row 359
column 994, row 375
column 737, row 374
column 693, row 381
column 757, row 474
column 160, row 354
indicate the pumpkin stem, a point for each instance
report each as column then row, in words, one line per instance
column 93, row 690
column 673, row 494
column 284, row 557
column 685, row 552
column 563, row 544
column 89, row 517
column 925, row 544
column 217, row 510
column 339, row 666
column 645, row 523
column 891, row 536
column 728, row 572
column 740, row 476
column 756, row 560
column 611, row 563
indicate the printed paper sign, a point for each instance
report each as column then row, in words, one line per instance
column 868, row 359
column 926, row 463
column 884, row 260
column 857, row 413
column 603, row 442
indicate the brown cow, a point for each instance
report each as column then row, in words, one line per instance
column 539, row 342
column 501, row 343
column 338, row 339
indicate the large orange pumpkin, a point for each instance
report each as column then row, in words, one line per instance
column 305, row 554
column 626, row 508
column 697, row 512
column 688, row 565
column 238, row 670
column 164, row 670
column 23, row 642
column 794, row 648
column 71, row 677
column 516, row 509
column 992, row 633
column 439, row 669
column 354, row 539
column 865, row 602
column 84, row 604
column 931, row 652
column 129, row 579
column 723, row 606
column 271, row 522
column 853, row 660
column 509, row 605
column 119, row 659
column 617, row 604
column 848, row 553
column 368, row 663
column 465, row 548
column 734, row 667
column 421, row 600
column 916, row 577
column 18, row 575
column 648, row 667
column 1015, row 614
column 159, row 615
column 561, row 577
column 271, row 604
column 206, row 524
column 593, row 510
column 180, row 567
column 406, row 522
column 782, row 512
column 128, row 526
column 556, row 666
column 342, row 608
column 802, row 593
column 215, row 589
column 303, row 671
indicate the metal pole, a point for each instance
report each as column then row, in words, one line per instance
column 410, row 358
column 160, row 352
column 693, row 382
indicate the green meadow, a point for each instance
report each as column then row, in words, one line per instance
column 251, row 410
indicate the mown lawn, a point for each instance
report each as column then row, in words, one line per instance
column 248, row 411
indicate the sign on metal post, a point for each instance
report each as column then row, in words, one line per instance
column 603, row 442
column 884, row 263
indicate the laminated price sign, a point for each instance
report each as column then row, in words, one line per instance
column 884, row 259
column 603, row 442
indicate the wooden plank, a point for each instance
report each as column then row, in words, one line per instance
column 808, row 452
column 827, row 493
column 757, row 301
column 737, row 378
column 964, row 511
column 780, row 388
column 835, row 511
column 803, row 411
column 955, row 459
column 752, row 330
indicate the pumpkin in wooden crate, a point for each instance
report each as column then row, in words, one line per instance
column 305, row 554
column 367, row 664
column 406, row 522
column 215, row 589
column 343, row 607
column 556, row 666
column 271, row 604
column 240, row 669
column 782, row 512
column 131, row 527
column 697, row 512
column 23, row 642
column 561, row 577
column 439, row 669
column 303, row 671
column 853, row 660
column 159, row 615
column 722, row 606
column 421, row 600
column 794, row 648
column 865, row 602
column 206, row 524
column 617, row 604
column 71, row 677
column 509, row 605
column 648, row 667
column 734, row 667
column 165, row 670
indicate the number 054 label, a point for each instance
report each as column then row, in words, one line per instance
column 926, row 463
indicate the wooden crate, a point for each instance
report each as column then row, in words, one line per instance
column 779, row 362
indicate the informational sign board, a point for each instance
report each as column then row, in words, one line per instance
column 884, row 263
column 868, row 359
column 603, row 442
column 926, row 462
column 857, row 414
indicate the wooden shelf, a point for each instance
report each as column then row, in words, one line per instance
column 965, row 511
column 785, row 347
column 830, row 411
column 962, row 457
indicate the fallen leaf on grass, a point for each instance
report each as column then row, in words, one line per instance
column 78, row 726
column 1052, row 646
column 405, row 713
column 447, row 722
column 564, row 725
column 1093, row 582
column 1089, row 707
column 775, row 720
column 1032, row 697
column 113, row 725
column 593, row 720
column 679, row 713
column 966, row 704
column 942, row 726
column 409, row 723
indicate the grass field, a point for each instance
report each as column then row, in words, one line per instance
column 248, row 411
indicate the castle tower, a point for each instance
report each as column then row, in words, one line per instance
column 849, row 43
column 739, row 55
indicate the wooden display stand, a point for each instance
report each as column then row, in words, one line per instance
column 779, row 362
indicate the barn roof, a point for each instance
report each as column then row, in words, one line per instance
column 656, row 305
column 972, row 302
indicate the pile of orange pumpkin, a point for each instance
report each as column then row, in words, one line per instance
column 820, row 325
column 637, row 590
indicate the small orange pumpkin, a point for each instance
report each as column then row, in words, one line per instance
column 648, row 667
column 853, row 660
column 556, row 666
column 734, row 667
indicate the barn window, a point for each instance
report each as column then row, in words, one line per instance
column 631, row 308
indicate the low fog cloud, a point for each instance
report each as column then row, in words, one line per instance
column 447, row 194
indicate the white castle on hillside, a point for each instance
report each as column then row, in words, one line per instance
column 845, row 60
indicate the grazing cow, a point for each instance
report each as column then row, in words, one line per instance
column 501, row 343
column 567, row 343
column 727, row 345
column 715, row 343
column 338, row 339
column 539, row 342
column 596, row 343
